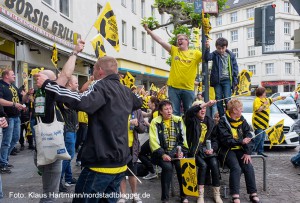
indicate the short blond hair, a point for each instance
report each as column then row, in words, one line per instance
column 234, row 103
column 184, row 35
column 198, row 102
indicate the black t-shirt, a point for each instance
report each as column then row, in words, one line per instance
column 70, row 117
column 10, row 93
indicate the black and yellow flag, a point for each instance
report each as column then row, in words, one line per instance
column 154, row 88
column 244, row 83
column 298, row 88
column 54, row 57
column 128, row 80
column 106, row 24
column 189, row 176
column 275, row 133
column 97, row 43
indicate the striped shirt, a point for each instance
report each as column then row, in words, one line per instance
column 260, row 120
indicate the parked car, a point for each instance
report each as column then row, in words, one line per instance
column 288, row 106
column 293, row 95
column 291, row 137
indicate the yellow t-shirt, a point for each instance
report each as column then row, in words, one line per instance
column 130, row 133
column 260, row 120
column 183, row 68
column 203, row 132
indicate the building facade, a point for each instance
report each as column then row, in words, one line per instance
column 276, row 72
column 28, row 30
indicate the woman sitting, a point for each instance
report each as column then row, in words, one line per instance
column 199, row 130
column 235, row 138
column 167, row 133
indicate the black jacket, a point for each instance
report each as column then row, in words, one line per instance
column 226, row 139
column 108, row 104
column 193, row 132
column 10, row 94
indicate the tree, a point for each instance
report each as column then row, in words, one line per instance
column 182, row 15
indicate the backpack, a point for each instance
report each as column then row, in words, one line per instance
column 296, row 160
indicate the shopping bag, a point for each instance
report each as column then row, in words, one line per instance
column 50, row 143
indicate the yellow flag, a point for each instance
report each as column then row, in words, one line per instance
column 275, row 133
column 97, row 43
column 189, row 176
column 298, row 88
column 107, row 25
column 128, row 80
column 154, row 88
column 36, row 71
column 54, row 57
column 244, row 83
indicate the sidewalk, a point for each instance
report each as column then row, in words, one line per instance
column 283, row 182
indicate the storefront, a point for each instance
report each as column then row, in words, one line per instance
column 278, row 86
column 25, row 45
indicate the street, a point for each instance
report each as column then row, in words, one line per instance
column 283, row 182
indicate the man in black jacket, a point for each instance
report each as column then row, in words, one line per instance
column 105, row 154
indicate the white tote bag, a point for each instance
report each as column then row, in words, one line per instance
column 50, row 142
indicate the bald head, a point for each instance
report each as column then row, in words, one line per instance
column 108, row 65
column 50, row 74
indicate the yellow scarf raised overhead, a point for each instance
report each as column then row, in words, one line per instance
column 234, row 123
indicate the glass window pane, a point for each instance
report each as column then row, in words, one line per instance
column 64, row 6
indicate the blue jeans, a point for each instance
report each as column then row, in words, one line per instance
column 70, row 139
column 91, row 182
column 259, row 141
column 222, row 90
column 11, row 136
column 177, row 96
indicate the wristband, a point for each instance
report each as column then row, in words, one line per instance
column 73, row 53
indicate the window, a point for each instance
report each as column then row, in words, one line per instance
column 270, row 69
column 152, row 11
column 286, row 7
column 162, row 19
column 269, row 48
column 143, row 11
column 123, row 2
column 133, row 32
column 219, row 20
column 124, row 34
column 133, row 6
column 288, row 68
column 218, row 35
column 287, row 46
column 153, row 49
column 64, row 7
column 99, row 9
column 252, row 69
column 251, row 51
column 234, row 35
column 250, row 13
column 250, row 33
column 287, row 28
column 143, row 41
column 236, row 52
column 163, row 53
column 49, row 2
column 233, row 17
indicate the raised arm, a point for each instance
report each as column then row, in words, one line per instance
column 69, row 66
column 159, row 40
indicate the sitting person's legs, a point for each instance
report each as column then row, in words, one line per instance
column 166, row 177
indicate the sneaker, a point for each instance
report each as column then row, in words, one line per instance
column 31, row 147
column 150, row 176
column 70, row 183
column 78, row 163
column 62, row 188
column 13, row 153
column 5, row 169
column 9, row 166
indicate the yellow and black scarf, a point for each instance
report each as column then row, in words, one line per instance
column 234, row 123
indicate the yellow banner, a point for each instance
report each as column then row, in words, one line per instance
column 128, row 80
column 107, row 25
column 97, row 43
column 298, row 88
column 244, row 83
column 189, row 176
column 25, row 76
column 275, row 133
column 54, row 57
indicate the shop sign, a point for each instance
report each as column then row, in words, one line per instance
column 276, row 83
column 33, row 15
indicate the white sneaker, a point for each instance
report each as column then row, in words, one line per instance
column 78, row 163
column 150, row 176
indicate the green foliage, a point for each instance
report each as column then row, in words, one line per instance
column 151, row 22
column 183, row 29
